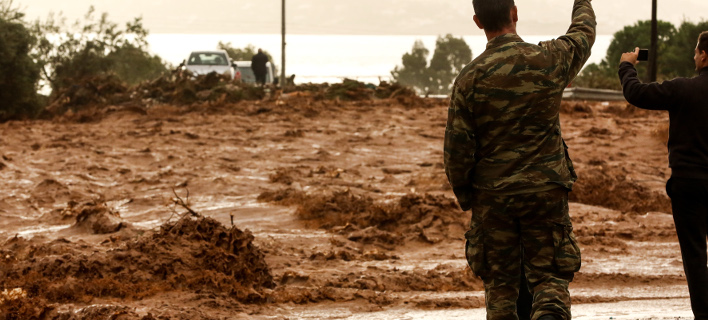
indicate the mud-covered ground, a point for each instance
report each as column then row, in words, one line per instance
column 304, row 207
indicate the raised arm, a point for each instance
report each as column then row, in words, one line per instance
column 578, row 41
column 460, row 147
column 651, row 96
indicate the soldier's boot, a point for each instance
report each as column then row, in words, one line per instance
column 548, row 317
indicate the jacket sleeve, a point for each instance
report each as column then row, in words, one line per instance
column 460, row 147
column 578, row 41
column 651, row 96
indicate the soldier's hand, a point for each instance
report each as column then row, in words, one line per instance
column 630, row 57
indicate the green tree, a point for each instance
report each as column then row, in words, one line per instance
column 69, row 53
column 678, row 55
column 241, row 54
column 451, row 55
column 598, row 76
column 18, row 72
column 604, row 74
column 414, row 72
column 9, row 12
column 244, row 54
column 639, row 35
column 134, row 65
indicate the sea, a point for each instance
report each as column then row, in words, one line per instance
column 330, row 58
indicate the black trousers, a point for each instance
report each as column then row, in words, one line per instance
column 260, row 77
column 525, row 300
column 689, row 201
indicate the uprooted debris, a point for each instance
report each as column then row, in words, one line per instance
column 430, row 218
column 186, row 90
column 178, row 89
column 352, row 90
column 191, row 254
column 182, row 89
column 96, row 90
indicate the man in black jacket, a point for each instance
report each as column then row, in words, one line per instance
column 686, row 99
column 258, row 64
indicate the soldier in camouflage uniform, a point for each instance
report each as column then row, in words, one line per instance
column 507, row 162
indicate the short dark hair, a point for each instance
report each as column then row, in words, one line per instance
column 493, row 14
column 703, row 41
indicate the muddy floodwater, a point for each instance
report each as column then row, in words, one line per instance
column 305, row 208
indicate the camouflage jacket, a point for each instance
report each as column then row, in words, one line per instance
column 503, row 132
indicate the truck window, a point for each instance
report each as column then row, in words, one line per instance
column 208, row 59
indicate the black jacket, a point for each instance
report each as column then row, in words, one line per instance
column 258, row 63
column 686, row 99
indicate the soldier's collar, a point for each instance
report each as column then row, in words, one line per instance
column 503, row 39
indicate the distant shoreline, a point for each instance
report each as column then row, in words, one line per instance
column 330, row 58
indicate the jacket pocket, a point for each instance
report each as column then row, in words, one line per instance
column 567, row 253
column 474, row 251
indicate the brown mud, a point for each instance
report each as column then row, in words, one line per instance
column 328, row 197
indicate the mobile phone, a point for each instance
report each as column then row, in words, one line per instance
column 643, row 55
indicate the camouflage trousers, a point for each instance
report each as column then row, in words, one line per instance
column 533, row 231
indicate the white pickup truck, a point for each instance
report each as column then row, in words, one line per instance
column 243, row 69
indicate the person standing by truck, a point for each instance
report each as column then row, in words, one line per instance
column 258, row 64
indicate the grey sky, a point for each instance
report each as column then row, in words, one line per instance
column 397, row 17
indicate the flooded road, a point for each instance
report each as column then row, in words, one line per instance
column 346, row 202
column 658, row 309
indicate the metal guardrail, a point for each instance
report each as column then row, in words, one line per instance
column 576, row 93
column 593, row 94
column 435, row 96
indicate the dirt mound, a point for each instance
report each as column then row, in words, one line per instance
column 188, row 255
column 21, row 309
column 89, row 217
column 96, row 90
column 184, row 90
column 95, row 217
column 430, row 218
column 304, row 96
column 85, row 100
column 178, row 89
column 350, row 90
column 227, row 257
column 610, row 188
